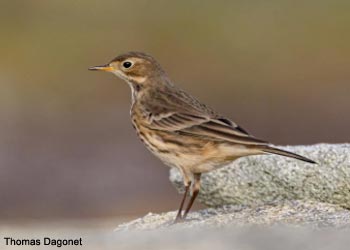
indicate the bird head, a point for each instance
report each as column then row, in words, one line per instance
column 133, row 67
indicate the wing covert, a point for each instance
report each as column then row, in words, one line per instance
column 216, row 129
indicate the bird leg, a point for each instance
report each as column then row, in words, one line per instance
column 195, row 191
column 179, row 213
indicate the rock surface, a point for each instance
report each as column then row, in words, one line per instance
column 258, row 202
column 292, row 213
column 292, row 225
column 258, row 180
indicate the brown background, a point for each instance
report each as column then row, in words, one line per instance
column 67, row 148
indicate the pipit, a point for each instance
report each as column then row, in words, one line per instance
column 181, row 131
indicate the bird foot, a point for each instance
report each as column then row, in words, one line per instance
column 178, row 219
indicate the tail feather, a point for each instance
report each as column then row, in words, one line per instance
column 277, row 151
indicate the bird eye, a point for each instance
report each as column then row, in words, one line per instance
column 127, row 64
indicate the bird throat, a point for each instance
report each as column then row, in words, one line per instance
column 136, row 89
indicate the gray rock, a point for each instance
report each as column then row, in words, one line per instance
column 258, row 202
column 258, row 180
column 292, row 213
column 290, row 225
column 272, row 238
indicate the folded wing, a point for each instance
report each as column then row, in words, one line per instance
column 202, row 125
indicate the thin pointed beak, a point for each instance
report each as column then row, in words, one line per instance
column 106, row 67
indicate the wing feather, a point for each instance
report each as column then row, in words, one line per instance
column 205, row 126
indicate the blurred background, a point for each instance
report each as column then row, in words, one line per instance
column 67, row 148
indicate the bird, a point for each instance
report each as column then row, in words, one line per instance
column 181, row 131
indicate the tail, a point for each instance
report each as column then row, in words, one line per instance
column 277, row 151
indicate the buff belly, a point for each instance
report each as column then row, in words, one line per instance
column 195, row 154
